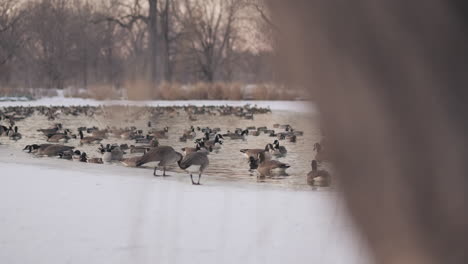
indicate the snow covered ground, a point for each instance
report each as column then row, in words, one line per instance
column 297, row 106
column 69, row 212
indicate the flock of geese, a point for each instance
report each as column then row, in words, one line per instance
column 193, row 160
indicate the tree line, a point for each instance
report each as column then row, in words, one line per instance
column 78, row 43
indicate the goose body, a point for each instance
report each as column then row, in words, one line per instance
column 318, row 177
column 13, row 133
column 277, row 149
column 88, row 140
column 254, row 152
column 59, row 137
column 53, row 150
column 269, row 167
column 162, row 156
column 195, row 162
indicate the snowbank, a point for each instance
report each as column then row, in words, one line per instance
column 69, row 212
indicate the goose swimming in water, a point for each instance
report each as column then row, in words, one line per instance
column 277, row 149
column 318, row 177
column 268, row 167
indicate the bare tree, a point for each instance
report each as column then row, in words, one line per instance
column 211, row 25
column 11, row 35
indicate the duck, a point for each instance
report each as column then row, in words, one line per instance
column 277, row 149
column 318, row 177
column 195, row 162
column 88, row 140
column 162, row 156
column 268, row 167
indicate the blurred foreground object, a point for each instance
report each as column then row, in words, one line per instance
column 391, row 84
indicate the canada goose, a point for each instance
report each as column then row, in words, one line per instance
column 130, row 162
column 254, row 152
column 88, row 140
column 321, row 154
column 99, row 133
column 34, row 148
column 3, row 130
column 161, row 133
column 50, row 131
column 53, row 150
column 13, row 134
column 277, row 149
column 162, row 156
column 69, row 155
column 214, row 144
column 292, row 138
column 318, row 177
column 190, row 134
column 253, row 163
column 195, row 162
column 255, row 133
column 144, row 140
column 139, row 149
column 235, row 136
column 267, row 167
column 111, row 153
column 84, row 158
column 59, row 137
column 200, row 147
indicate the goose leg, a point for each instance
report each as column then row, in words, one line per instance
column 164, row 171
column 191, row 177
column 154, row 172
column 199, row 176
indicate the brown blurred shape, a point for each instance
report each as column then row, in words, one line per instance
column 389, row 78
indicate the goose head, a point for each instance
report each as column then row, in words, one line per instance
column 83, row 157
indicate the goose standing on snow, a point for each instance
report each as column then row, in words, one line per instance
column 162, row 156
column 195, row 162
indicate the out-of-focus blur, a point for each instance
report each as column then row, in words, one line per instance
column 390, row 81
